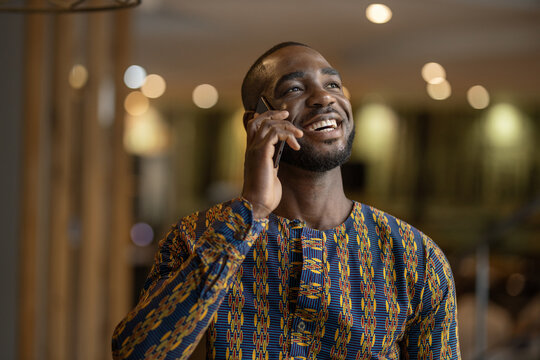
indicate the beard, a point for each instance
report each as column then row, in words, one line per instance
column 308, row 159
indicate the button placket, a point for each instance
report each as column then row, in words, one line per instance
column 305, row 321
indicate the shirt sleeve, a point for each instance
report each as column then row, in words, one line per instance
column 189, row 279
column 434, row 333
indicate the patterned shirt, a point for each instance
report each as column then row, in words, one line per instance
column 372, row 288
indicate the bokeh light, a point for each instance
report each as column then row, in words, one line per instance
column 141, row 234
column 136, row 103
column 78, row 76
column 375, row 144
column 378, row 13
column 433, row 73
column 478, row 97
column 146, row 135
column 440, row 91
column 205, row 96
column 504, row 126
column 376, row 126
column 154, row 86
column 134, row 76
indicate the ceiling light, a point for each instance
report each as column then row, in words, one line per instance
column 154, row 86
column 478, row 97
column 439, row 91
column 205, row 96
column 134, row 76
column 378, row 13
column 433, row 73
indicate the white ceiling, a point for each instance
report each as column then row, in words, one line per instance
column 495, row 43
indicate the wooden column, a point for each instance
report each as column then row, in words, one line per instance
column 120, row 275
column 59, row 294
column 29, row 296
column 92, row 280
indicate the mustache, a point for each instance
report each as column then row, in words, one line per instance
column 320, row 111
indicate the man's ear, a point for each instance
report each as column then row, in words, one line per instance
column 248, row 115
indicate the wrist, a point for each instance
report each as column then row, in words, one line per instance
column 259, row 210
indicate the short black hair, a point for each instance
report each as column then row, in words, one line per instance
column 255, row 80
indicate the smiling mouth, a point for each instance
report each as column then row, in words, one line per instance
column 323, row 125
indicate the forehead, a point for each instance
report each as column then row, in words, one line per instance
column 294, row 58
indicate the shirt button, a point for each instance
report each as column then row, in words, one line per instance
column 301, row 326
column 297, row 224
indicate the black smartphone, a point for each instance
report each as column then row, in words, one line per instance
column 263, row 106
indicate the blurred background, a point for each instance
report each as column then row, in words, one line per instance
column 116, row 123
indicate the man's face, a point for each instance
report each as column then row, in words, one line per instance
column 302, row 82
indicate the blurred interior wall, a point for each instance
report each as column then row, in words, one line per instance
column 68, row 185
column 11, row 63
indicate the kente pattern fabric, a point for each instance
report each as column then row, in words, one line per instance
column 372, row 288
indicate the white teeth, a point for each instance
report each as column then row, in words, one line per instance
column 328, row 124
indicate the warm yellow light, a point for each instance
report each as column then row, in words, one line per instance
column 205, row 96
column 504, row 126
column 136, row 103
column 433, row 73
column 232, row 147
column 378, row 13
column 134, row 76
column 375, row 144
column 376, row 126
column 146, row 135
column 78, row 76
column 478, row 97
column 439, row 91
column 154, row 86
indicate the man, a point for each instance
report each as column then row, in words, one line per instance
column 294, row 269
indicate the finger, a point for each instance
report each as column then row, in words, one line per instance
column 274, row 114
column 276, row 135
column 254, row 124
column 292, row 142
column 268, row 125
column 268, row 116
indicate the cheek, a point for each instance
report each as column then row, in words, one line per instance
column 346, row 106
column 348, row 115
column 291, row 105
column 294, row 109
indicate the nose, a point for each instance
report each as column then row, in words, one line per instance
column 321, row 98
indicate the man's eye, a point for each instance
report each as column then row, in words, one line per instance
column 292, row 89
column 334, row 85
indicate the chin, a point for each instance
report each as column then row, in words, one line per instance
column 310, row 159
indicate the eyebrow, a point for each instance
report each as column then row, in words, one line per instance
column 331, row 71
column 290, row 76
column 300, row 74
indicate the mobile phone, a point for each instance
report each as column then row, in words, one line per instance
column 263, row 106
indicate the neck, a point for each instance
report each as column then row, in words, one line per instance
column 316, row 198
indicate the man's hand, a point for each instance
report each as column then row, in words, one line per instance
column 262, row 187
